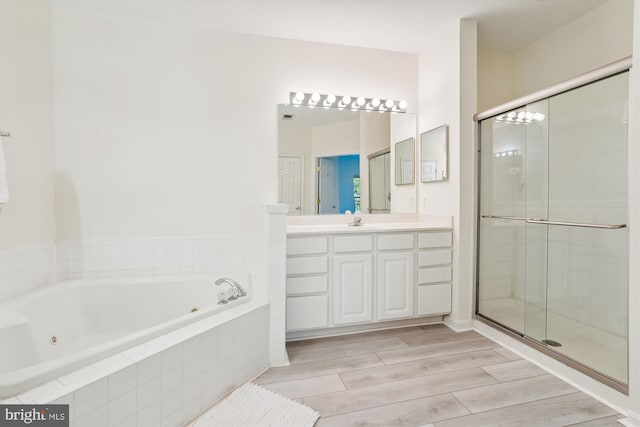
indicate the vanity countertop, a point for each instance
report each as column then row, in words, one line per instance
column 365, row 228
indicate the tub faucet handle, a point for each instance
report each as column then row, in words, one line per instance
column 232, row 294
column 221, row 298
column 240, row 290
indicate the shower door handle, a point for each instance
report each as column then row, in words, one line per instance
column 514, row 218
column 576, row 224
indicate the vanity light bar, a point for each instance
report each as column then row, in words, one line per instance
column 346, row 102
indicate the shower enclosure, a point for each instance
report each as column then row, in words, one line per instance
column 552, row 234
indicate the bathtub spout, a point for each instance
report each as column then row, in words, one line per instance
column 234, row 284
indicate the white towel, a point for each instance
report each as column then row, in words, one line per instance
column 4, row 187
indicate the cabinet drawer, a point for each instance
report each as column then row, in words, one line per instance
column 435, row 240
column 307, row 265
column 306, row 285
column 395, row 241
column 307, row 312
column 307, row 246
column 434, row 299
column 352, row 243
column 437, row 257
column 434, row 274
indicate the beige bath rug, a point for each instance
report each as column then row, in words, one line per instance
column 254, row 406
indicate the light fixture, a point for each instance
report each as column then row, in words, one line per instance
column 329, row 100
column 346, row 101
column 520, row 117
column 508, row 153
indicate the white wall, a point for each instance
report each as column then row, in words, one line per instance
column 496, row 77
column 26, row 112
column 448, row 91
column 599, row 37
column 167, row 129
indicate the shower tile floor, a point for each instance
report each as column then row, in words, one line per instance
column 428, row 376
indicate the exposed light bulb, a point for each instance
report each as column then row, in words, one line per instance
column 375, row 102
column 402, row 105
column 538, row 116
column 389, row 103
column 315, row 97
column 331, row 98
column 360, row 101
column 521, row 115
column 299, row 97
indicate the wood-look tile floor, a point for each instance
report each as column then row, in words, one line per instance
column 428, row 376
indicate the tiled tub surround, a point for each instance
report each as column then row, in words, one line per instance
column 169, row 380
column 25, row 268
column 159, row 256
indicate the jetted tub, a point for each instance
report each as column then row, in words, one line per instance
column 60, row 328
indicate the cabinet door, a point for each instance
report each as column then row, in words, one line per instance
column 306, row 312
column 396, row 285
column 352, row 288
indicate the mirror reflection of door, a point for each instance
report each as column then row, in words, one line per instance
column 338, row 184
column 290, row 183
column 380, row 183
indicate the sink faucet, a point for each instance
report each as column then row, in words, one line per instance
column 234, row 284
column 357, row 221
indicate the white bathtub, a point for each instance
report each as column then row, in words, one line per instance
column 94, row 319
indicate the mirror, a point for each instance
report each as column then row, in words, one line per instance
column 404, row 161
column 326, row 160
column 434, row 149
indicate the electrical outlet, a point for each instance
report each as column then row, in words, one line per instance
column 424, row 201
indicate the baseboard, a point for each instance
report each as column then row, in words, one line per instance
column 458, row 326
column 632, row 420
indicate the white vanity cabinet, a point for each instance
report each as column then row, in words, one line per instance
column 434, row 273
column 307, row 283
column 360, row 277
column 396, row 276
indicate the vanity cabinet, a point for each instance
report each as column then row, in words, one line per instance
column 434, row 273
column 352, row 289
column 307, row 283
column 396, row 276
column 346, row 279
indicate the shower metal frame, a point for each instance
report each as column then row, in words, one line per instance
column 601, row 73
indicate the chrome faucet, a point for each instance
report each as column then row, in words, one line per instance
column 357, row 221
column 240, row 290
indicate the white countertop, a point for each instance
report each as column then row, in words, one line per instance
column 365, row 228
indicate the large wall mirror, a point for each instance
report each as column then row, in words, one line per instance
column 434, row 150
column 333, row 161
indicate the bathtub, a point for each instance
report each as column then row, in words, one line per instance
column 64, row 327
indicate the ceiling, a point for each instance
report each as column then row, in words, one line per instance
column 396, row 25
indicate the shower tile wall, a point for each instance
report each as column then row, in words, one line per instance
column 588, row 183
column 25, row 268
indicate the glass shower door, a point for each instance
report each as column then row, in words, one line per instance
column 588, row 248
column 502, row 250
column 553, row 243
